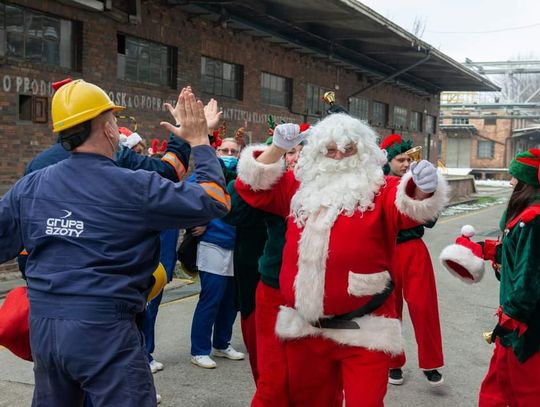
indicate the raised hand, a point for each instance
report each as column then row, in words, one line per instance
column 190, row 113
column 212, row 114
column 288, row 135
column 424, row 175
column 174, row 111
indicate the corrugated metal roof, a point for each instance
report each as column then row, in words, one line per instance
column 349, row 34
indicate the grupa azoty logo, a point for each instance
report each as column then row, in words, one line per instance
column 64, row 225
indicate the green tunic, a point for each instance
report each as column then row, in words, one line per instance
column 520, row 286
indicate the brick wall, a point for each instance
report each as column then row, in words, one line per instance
column 193, row 37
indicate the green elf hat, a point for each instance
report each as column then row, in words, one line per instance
column 394, row 145
column 526, row 167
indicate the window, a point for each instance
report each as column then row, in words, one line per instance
column 314, row 103
column 431, row 124
column 486, row 149
column 25, row 108
column 379, row 114
column 38, row 37
column 460, row 120
column 490, row 121
column 145, row 61
column 400, row 117
column 275, row 90
column 359, row 107
column 416, row 121
column 220, row 78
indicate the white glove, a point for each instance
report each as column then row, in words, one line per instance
column 424, row 175
column 287, row 136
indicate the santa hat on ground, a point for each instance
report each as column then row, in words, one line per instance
column 464, row 259
column 14, row 326
column 526, row 167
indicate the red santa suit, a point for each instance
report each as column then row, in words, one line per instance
column 333, row 266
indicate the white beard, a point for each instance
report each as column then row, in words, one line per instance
column 346, row 185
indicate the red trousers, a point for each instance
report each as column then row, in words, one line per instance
column 249, row 333
column 272, row 388
column 414, row 281
column 319, row 368
column 509, row 382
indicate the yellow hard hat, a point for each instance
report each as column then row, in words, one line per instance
column 76, row 102
column 160, row 280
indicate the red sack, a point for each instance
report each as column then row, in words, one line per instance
column 14, row 327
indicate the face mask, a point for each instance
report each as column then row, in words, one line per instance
column 229, row 161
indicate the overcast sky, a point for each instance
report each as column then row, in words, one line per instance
column 482, row 30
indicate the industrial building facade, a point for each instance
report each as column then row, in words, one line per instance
column 256, row 58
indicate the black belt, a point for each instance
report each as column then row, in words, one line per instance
column 345, row 321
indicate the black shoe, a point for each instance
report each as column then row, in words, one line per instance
column 434, row 377
column 395, row 376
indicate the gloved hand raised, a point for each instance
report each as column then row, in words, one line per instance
column 288, row 135
column 424, row 175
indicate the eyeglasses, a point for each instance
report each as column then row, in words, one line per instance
column 349, row 150
column 232, row 151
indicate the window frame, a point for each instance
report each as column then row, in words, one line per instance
column 287, row 92
column 310, row 99
column 401, row 113
column 479, row 149
column 237, row 81
column 166, row 54
column 375, row 113
column 61, row 33
column 359, row 107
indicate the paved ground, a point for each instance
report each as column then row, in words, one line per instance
column 466, row 311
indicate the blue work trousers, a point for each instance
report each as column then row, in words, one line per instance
column 87, row 345
column 216, row 309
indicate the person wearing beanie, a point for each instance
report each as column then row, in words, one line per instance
column 514, row 371
column 414, row 280
column 338, row 321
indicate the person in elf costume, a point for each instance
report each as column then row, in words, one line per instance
column 514, row 370
column 343, row 216
column 414, row 280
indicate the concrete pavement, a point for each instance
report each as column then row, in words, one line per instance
column 466, row 312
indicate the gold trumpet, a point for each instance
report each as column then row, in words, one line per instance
column 415, row 153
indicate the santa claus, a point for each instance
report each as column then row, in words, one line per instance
column 339, row 320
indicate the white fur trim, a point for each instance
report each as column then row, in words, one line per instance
column 367, row 284
column 465, row 258
column 375, row 333
column 132, row 140
column 257, row 175
column 426, row 209
column 312, row 256
column 468, row 231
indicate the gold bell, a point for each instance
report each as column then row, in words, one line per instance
column 415, row 153
column 488, row 337
column 329, row 97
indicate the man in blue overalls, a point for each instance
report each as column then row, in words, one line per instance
column 92, row 233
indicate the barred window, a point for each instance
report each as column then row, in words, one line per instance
column 39, row 37
column 221, row 78
column 359, row 107
column 146, row 61
column 460, row 120
column 486, row 149
column 400, row 117
column 314, row 103
column 275, row 90
column 379, row 114
column 416, row 121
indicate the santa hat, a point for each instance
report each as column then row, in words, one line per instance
column 526, row 167
column 464, row 259
column 394, row 145
column 14, row 327
column 130, row 139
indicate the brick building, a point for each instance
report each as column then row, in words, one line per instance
column 257, row 58
column 484, row 137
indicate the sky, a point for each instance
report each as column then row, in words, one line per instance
column 495, row 30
